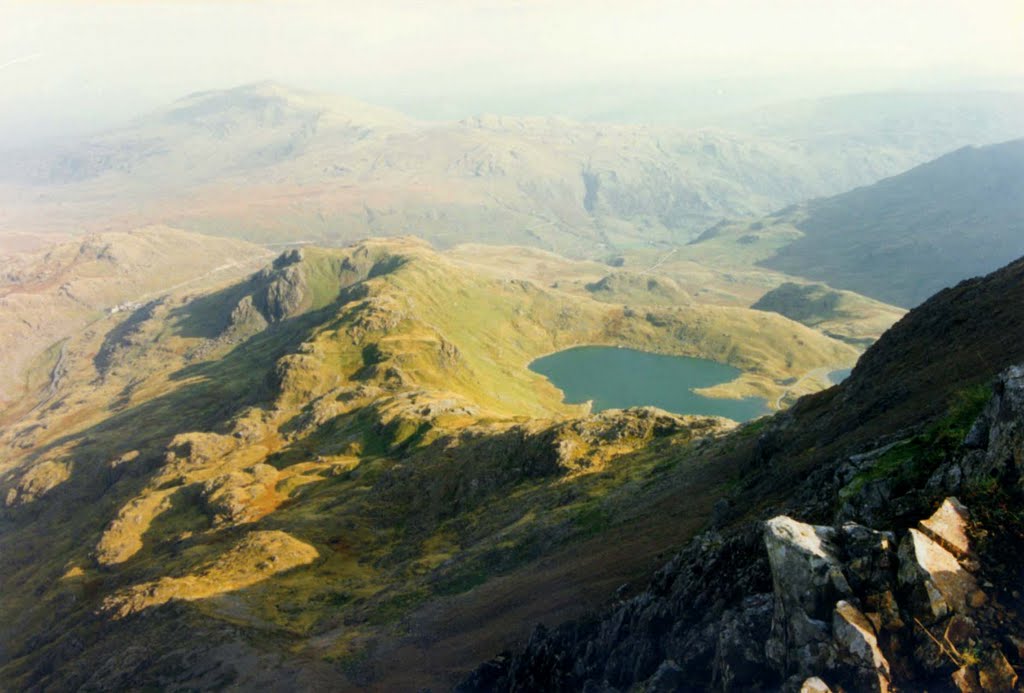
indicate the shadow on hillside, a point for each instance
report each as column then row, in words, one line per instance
column 208, row 396
column 207, row 316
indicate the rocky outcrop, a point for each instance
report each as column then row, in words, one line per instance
column 935, row 604
column 820, row 575
column 126, row 335
column 36, row 482
column 235, row 497
column 806, row 303
column 997, row 438
column 255, row 557
column 939, row 584
column 847, row 612
column 808, row 579
column 703, row 620
column 633, row 287
column 459, row 471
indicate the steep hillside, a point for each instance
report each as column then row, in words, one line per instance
column 50, row 294
column 264, row 162
column 897, row 584
column 904, row 238
column 340, row 464
column 340, row 473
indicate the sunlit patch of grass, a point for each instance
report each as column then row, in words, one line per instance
column 257, row 556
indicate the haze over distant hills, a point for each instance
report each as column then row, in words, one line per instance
column 898, row 240
column 269, row 163
column 906, row 237
column 498, row 346
column 47, row 295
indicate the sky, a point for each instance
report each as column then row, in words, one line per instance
column 75, row 65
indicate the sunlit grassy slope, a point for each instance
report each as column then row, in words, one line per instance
column 341, row 441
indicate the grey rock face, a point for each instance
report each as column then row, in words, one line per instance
column 808, row 580
column 857, row 644
column 740, row 660
column 998, row 434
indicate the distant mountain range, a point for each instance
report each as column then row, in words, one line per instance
column 904, row 238
column 900, row 239
column 268, row 163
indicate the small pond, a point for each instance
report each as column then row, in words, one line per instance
column 615, row 378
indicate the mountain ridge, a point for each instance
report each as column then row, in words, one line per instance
column 959, row 216
column 287, row 166
column 336, row 397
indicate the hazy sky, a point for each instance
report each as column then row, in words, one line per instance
column 67, row 65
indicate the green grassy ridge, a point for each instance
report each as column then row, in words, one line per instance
column 351, row 396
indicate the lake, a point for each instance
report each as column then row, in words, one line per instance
column 615, row 378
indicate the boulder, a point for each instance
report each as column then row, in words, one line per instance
column 966, row 680
column 948, row 526
column 996, row 674
column 939, row 584
column 808, row 580
column 815, row 685
column 857, row 646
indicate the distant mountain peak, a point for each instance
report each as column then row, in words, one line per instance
column 268, row 97
column 262, row 86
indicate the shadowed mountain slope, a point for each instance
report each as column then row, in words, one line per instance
column 854, row 317
column 904, row 238
column 49, row 295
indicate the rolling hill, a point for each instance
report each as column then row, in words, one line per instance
column 340, row 473
column 331, row 468
column 842, row 314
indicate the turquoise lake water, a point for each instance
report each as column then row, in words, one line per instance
column 616, row 378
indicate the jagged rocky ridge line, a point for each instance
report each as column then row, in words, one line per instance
column 787, row 605
column 856, row 467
